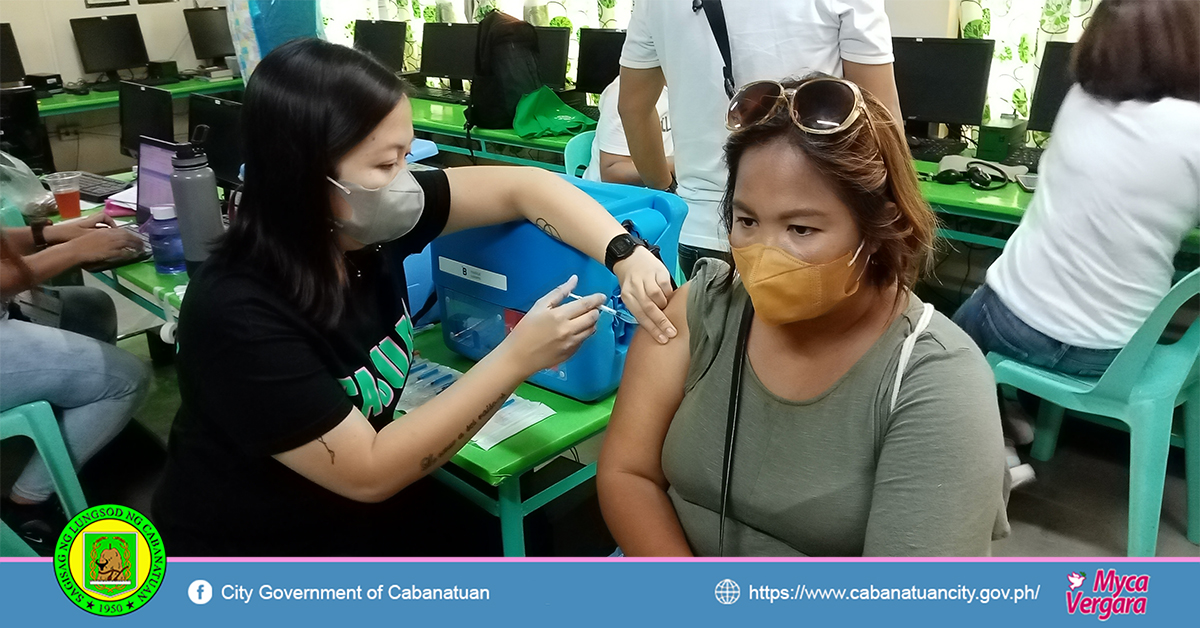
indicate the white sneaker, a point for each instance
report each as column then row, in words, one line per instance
column 1021, row 474
column 1017, row 423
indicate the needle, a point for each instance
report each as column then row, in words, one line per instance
column 625, row 316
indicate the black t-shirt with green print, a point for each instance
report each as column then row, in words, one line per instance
column 256, row 379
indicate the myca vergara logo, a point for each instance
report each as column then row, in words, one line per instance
column 1111, row 594
column 109, row 560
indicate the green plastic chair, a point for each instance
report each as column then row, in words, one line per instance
column 12, row 545
column 1140, row 389
column 578, row 153
column 36, row 420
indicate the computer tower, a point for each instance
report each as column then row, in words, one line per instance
column 22, row 132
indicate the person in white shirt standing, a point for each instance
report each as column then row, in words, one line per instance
column 1119, row 189
column 670, row 43
column 611, row 162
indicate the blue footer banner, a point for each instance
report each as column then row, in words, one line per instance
column 593, row 592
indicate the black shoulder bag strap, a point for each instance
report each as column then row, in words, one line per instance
column 716, row 21
column 735, row 394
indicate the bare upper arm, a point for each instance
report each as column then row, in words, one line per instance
column 482, row 195
column 340, row 460
column 618, row 169
column 640, row 90
column 879, row 80
column 650, row 394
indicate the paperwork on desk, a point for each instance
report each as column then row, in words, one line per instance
column 426, row 379
column 126, row 198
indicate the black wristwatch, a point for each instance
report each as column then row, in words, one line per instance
column 39, row 238
column 621, row 247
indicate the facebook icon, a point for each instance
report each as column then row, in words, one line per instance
column 200, row 592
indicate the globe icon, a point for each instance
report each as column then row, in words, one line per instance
column 727, row 591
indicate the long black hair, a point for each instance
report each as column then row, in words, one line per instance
column 308, row 103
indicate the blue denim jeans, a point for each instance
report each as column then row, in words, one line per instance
column 994, row 327
column 93, row 387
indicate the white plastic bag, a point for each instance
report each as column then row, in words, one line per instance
column 22, row 189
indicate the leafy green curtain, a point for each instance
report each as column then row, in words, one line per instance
column 403, row 11
column 1021, row 29
column 338, row 17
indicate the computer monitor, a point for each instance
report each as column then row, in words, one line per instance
column 942, row 80
column 1053, row 83
column 224, row 143
column 384, row 40
column 448, row 50
column 22, row 132
column 154, row 175
column 11, row 68
column 145, row 111
column 599, row 59
column 109, row 43
column 209, row 29
column 552, row 55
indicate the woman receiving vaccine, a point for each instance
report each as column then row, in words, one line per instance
column 812, row 404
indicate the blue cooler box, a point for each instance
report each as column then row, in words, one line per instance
column 487, row 278
column 419, row 272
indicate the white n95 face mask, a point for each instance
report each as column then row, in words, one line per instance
column 381, row 214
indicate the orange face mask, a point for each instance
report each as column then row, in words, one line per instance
column 785, row 289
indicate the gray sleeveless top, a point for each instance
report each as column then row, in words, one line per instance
column 839, row 474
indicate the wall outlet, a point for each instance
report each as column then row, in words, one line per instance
column 68, row 132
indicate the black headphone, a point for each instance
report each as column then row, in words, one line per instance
column 977, row 174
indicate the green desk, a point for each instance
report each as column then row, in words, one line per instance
column 140, row 282
column 503, row 465
column 61, row 104
column 143, row 285
column 1006, row 205
column 447, row 119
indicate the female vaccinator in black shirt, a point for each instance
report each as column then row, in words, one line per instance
column 294, row 341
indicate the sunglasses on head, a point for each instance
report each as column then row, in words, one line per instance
column 820, row 106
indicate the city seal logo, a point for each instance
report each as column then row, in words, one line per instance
column 109, row 560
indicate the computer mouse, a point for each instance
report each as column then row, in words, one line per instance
column 79, row 91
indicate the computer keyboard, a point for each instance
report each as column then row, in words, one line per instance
column 588, row 110
column 933, row 149
column 133, row 228
column 94, row 188
column 1028, row 157
column 440, row 94
column 143, row 255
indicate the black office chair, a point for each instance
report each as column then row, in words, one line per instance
column 22, row 131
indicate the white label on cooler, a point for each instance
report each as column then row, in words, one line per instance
column 471, row 273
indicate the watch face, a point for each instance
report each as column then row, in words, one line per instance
column 622, row 247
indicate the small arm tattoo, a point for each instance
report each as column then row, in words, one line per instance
column 321, row 439
column 488, row 411
column 548, row 228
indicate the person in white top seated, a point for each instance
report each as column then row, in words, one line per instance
column 1119, row 189
column 611, row 162
column 671, row 43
